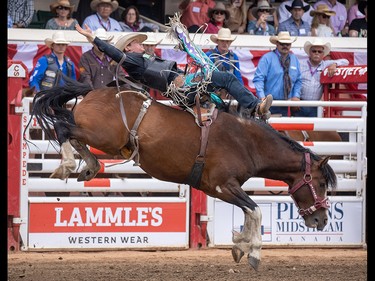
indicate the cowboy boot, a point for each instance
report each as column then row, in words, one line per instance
column 263, row 108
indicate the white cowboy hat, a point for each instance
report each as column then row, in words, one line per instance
column 63, row 3
column 57, row 38
column 151, row 39
column 94, row 4
column 283, row 37
column 322, row 9
column 102, row 34
column 223, row 34
column 124, row 41
column 262, row 5
column 317, row 42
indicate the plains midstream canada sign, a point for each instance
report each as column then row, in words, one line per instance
column 282, row 225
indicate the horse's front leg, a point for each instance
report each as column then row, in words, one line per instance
column 68, row 163
column 250, row 239
column 92, row 165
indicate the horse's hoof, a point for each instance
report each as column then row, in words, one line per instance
column 237, row 254
column 254, row 262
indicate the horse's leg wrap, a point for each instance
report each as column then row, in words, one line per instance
column 68, row 164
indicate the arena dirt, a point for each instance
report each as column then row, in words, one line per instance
column 204, row 264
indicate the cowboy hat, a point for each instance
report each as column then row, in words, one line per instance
column 262, row 5
column 57, row 38
column 63, row 3
column 124, row 41
column 283, row 37
column 317, row 42
column 223, row 34
column 94, row 4
column 151, row 39
column 362, row 6
column 322, row 9
column 218, row 7
column 102, row 34
column 298, row 4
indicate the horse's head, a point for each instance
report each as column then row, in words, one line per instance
column 310, row 192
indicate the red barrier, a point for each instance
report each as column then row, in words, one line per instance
column 344, row 88
column 198, row 228
column 17, row 74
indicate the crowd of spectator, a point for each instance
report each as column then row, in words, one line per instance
column 279, row 72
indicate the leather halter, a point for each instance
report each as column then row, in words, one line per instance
column 307, row 180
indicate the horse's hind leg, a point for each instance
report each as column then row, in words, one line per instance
column 68, row 163
column 250, row 239
column 92, row 165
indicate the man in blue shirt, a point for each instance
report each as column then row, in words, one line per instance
column 278, row 73
column 295, row 25
column 48, row 70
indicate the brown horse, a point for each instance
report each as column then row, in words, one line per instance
column 167, row 141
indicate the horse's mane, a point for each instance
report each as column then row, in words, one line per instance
column 327, row 170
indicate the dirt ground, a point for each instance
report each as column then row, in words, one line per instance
column 204, row 264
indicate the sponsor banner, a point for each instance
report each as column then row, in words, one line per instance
column 108, row 224
column 108, row 240
column 281, row 224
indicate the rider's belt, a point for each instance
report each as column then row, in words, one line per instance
column 157, row 72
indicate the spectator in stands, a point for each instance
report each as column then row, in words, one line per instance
column 218, row 17
column 311, row 69
column 225, row 59
column 10, row 22
column 150, row 43
column 48, row 70
column 158, row 73
column 63, row 19
column 295, row 25
column 131, row 22
column 237, row 21
column 194, row 13
column 354, row 13
column 21, row 12
column 94, row 66
column 321, row 25
column 101, row 18
column 261, row 26
column 284, row 14
column 338, row 20
column 278, row 73
column 358, row 27
column 271, row 19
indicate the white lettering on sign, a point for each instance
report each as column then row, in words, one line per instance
column 348, row 71
column 144, row 216
column 16, row 70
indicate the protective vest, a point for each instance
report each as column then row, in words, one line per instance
column 220, row 65
column 52, row 75
column 157, row 72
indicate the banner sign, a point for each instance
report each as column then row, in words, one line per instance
column 108, row 225
column 282, row 225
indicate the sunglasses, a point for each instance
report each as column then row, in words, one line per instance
column 263, row 10
column 62, row 8
column 317, row 51
column 285, row 44
column 219, row 13
column 325, row 17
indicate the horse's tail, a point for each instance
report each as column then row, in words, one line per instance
column 49, row 105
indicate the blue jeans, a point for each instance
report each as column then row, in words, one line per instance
column 235, row 88
column 306, row 112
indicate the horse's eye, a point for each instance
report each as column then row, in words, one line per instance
column 322, row 185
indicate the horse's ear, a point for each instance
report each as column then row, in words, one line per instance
column 324, row 161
